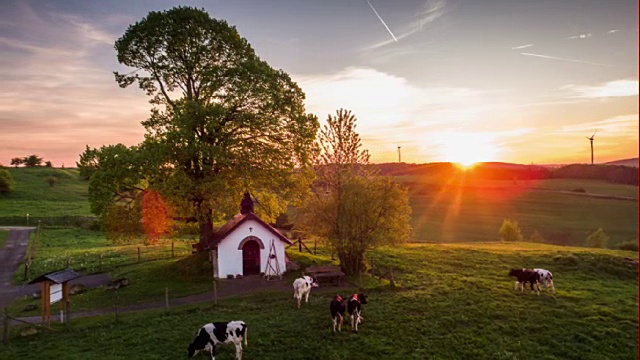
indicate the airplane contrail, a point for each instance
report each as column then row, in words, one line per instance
column 521, row 47
column 382, row 21
column 562, row 59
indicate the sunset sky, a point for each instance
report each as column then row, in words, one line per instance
column 447, row 80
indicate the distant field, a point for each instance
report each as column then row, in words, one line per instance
column 471, row 211
column 453, row 301
column 445, row 208
column 34, row 196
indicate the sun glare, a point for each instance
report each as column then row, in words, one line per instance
column 467, row 149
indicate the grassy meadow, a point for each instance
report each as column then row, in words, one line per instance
column 88, row 252
column 452, row 301
column 4, row 235
column 464, row 210
column 34, row 196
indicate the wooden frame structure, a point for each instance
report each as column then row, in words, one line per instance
column 55, row 288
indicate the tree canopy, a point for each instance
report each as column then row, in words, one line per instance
column 6, row 182
column 351, row 206
column 223, row 121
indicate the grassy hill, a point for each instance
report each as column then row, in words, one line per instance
column 564, row 211
column 34, row 196
column 453, row 301
column 633, row 162
column 449, row 204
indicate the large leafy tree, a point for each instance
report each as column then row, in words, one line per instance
column 351, row 206
column 223, row 120
column 6, row 181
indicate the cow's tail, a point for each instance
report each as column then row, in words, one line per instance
column 246, row 340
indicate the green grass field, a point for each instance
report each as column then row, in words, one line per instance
column 453, row 301
column 4, row 235
column 34, row 196
column 473, row 211
column 444, row 209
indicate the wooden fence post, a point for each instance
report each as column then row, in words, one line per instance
column 315, row 246
column 166, row 298
column 100, row 263
column 116, row 304
column 138, row 253
column 215, row 292
column 27, row 264
column 6, row 323
column 172, row 249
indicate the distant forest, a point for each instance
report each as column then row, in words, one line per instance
column 503, row 171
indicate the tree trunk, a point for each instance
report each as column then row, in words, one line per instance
column 351, row 262
column 205, row 222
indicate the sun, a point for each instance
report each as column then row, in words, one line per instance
column 467, row 149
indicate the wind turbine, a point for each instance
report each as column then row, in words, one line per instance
column 591, row 141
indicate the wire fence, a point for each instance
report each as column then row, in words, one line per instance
column 96, row 261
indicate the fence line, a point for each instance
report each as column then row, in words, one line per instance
column 108, row 260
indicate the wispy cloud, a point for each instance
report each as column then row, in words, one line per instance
column 615, row 88
column 580, row 36
column 617, row 125
column 431, row 11
column 58, row 91
column 563, row 59
column 613, row 31
column 521, row 47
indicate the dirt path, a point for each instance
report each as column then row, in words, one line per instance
column 10, row 256
column 228, row 289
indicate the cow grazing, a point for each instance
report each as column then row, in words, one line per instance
column 546, row 278
column 354, row 307
column 302, row 287
column 526, row 276
column 337, row 309
column 216, row 333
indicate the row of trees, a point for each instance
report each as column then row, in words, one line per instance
column 224, row 122
column 30, row 161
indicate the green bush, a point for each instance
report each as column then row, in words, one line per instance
column 631, row 245
column 598, row 239
column 510, row 231
column 536, row 237
column 6, row 182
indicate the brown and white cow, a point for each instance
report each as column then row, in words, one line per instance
column 354, row 307
column 337, row 309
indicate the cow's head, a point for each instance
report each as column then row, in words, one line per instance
column 191, row 350
column 199, row 343
column 515, row 272
column 311, row 281
column 362, row 298
column 339, row 297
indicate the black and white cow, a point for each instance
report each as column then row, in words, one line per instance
column 337, row 309
column 354, row 307
column 546, row 278
column 216, row 333
column 302, row 288
column 526, row 276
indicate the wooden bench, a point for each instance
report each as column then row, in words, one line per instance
column 326, row 272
